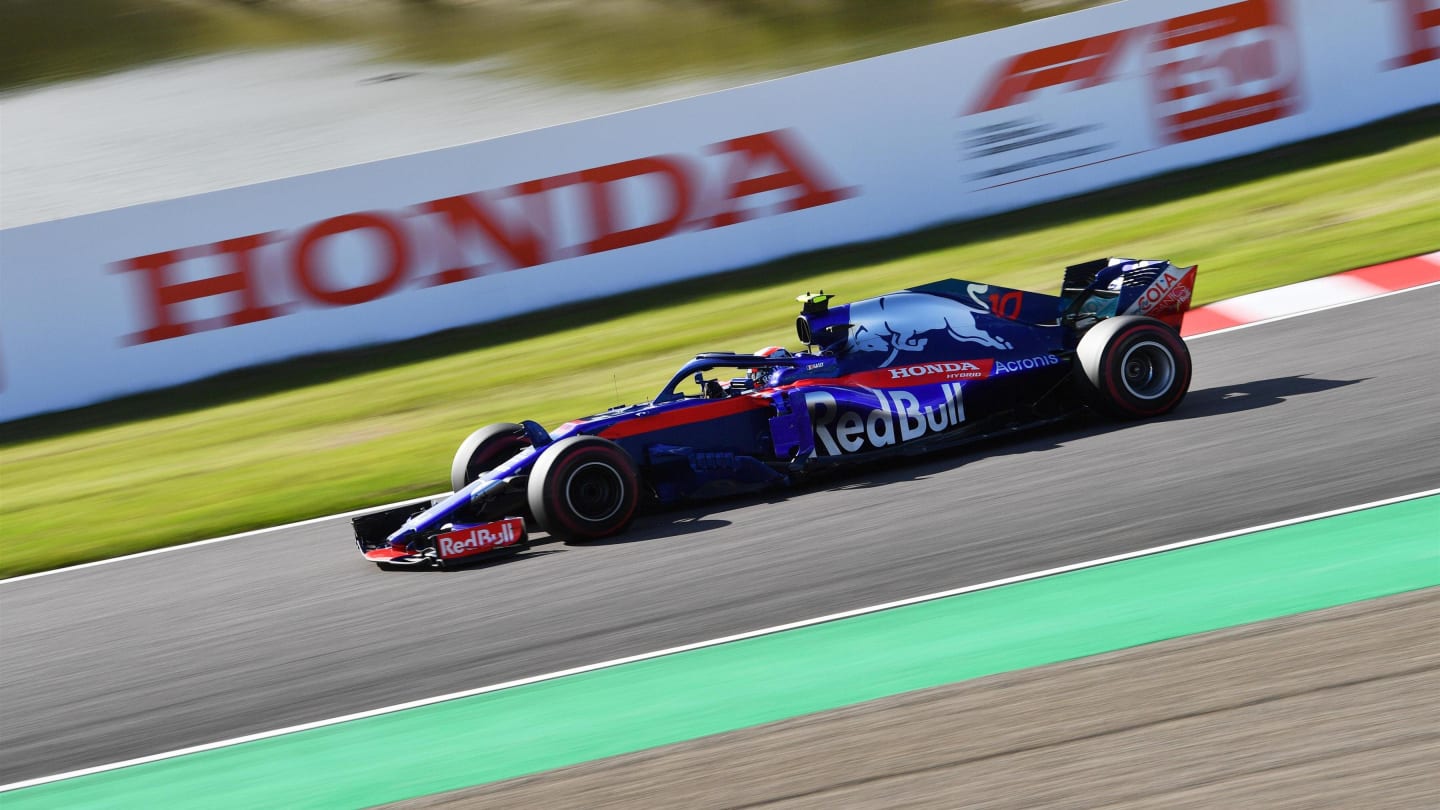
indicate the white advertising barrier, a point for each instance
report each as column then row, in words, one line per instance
column 138, row 298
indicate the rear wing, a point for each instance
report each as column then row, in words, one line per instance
column 1104, row 288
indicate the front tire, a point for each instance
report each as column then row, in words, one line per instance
column 484, row 450
column 1132, row 367
column 584, row 488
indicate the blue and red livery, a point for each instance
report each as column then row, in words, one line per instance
column 908, row 372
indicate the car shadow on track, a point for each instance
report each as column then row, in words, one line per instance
column 1251, row 395
column 1197, row 405
column 675, row 522
column 693, row 518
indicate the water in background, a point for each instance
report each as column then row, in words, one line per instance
column 199, row 95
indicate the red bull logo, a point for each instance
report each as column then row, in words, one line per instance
column 898, row 416
column 473, row 540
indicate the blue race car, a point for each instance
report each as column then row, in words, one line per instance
column 909, row 372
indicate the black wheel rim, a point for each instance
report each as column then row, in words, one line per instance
column 1147, row 370
column 594, row 491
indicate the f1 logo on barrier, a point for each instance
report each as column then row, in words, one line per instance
column 1213, row 71
column 1072, row 65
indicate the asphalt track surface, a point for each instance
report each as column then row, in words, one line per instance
column 1284, row 419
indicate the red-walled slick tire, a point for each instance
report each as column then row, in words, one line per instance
column 1132, row 367
column 584, row 488
column 484, row 450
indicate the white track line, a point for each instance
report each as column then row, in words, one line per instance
column 152, row 552
column 356, row 512
column 1130, row 555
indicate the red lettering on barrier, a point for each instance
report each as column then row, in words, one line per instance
column 752, row 154
column 662, row 195
column 1419, row 29
column 519, row 244
column 311, row 274
column 1229, row 68
column 677, row 192
column 164, row 294
column 1082, row 63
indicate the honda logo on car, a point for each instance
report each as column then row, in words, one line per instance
column 948, row 371
column 918, row 374
column 896, row 416
column 476, row 539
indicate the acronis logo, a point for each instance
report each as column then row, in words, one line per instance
column 1025, row 364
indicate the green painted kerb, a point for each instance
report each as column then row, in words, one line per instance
column 489, row 737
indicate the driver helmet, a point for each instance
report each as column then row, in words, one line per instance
column 764, row 376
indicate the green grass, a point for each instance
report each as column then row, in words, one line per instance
column 595, row 44
column 358, row 428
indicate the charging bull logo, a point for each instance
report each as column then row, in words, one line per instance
column 897, row 416
column 896, row 323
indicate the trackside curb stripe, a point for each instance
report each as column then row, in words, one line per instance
column 718, row 641
column 1315, row 295
column 1326, row 308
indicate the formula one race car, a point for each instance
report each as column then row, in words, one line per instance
column 912, row 371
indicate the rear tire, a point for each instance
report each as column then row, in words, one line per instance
column 484, row 450
column 1132, row 367
column 584, row 488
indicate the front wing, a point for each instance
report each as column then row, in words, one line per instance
column 453, row 544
